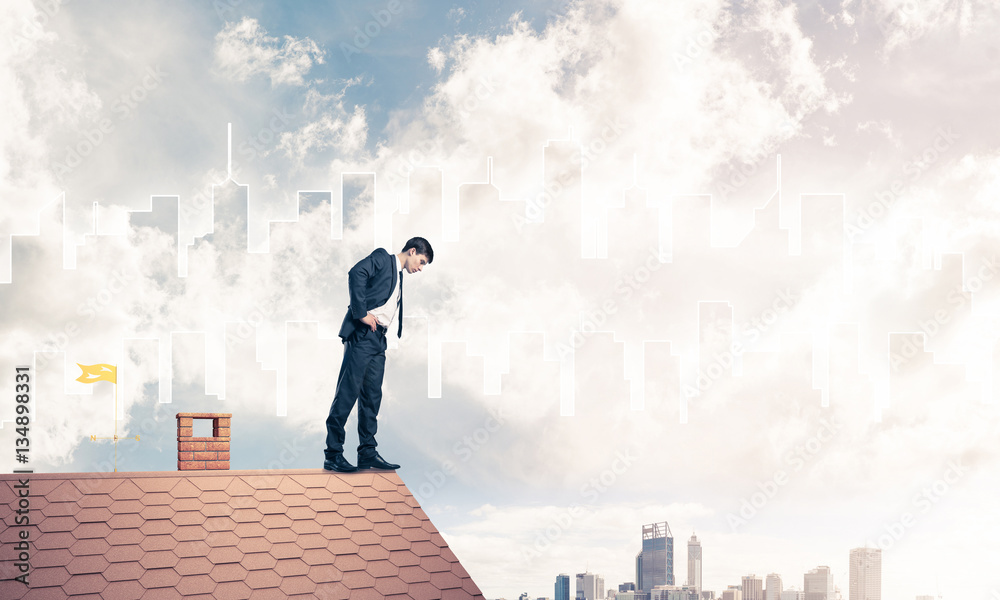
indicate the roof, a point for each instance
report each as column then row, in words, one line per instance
column 225, row 535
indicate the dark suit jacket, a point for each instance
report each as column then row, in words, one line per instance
column 371, row 283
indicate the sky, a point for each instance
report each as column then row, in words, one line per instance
column 732, row 266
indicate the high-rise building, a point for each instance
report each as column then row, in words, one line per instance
column 753, row 588
column 866, row 574
column 818, row 584
column 654, row 565
column 792, row 594
column 772, row 590
column 694, row 562
column 589, row 586
column 562, row 587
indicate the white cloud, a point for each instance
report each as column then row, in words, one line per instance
column 436, row 59
column 883, row 127
column 41, row 94
column 456, row 14
column 904, row 21
column 336, row 128
column 243, row 50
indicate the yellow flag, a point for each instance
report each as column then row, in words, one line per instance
column 102, row 372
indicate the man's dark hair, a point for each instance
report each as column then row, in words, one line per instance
column 422, row 246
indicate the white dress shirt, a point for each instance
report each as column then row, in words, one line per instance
column 387, row 312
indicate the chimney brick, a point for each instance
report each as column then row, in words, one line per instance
column 203, row 453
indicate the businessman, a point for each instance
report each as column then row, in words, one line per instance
column 376, row 289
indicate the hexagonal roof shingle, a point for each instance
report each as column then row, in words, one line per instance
column 225, row 535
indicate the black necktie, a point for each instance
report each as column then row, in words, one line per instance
column 399, row 333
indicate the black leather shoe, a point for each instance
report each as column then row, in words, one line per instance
column 339, row 464
column 376, row 462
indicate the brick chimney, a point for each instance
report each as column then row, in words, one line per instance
column 202, row 453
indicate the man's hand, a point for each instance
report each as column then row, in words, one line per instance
column 369, row 320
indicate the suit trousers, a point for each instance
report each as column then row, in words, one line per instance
column 360, row 378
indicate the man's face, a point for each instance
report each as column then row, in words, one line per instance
column 414, row 262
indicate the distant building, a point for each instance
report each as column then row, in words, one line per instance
column 631, row 595
column 589, row 586
column 654, row 565
column 562, row 587
column 733, row 592
column 772, row 589
column 626, row 587
column 694, row 562
column 792, row 594
column 673, row 592
column 818, row 584
column 753, row 588
column 638, row 570
column 866, row 574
